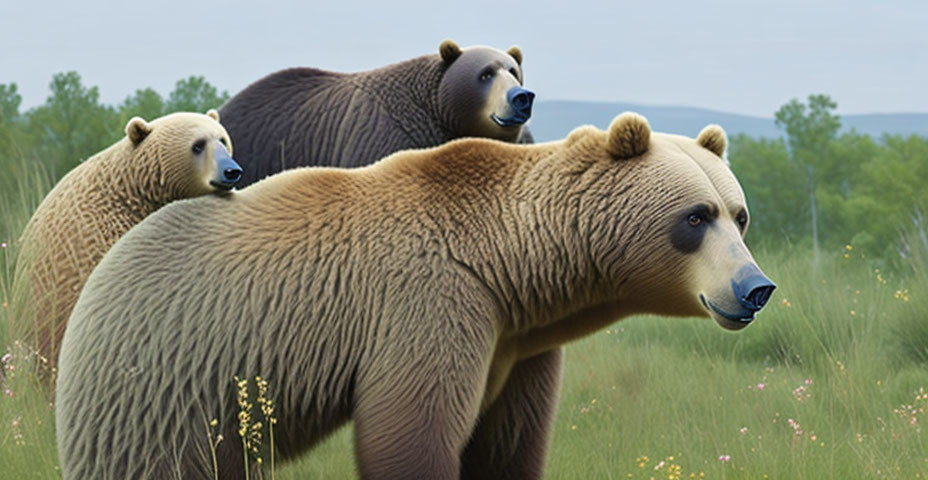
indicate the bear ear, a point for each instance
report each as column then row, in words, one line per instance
column 213, row 113
column 629, row 136
column 516, row 53
column 137, row 129
column 449, row 51
column 714, row 139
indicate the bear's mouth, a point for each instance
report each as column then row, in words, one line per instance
column 745, row 317
column 225, row 187
column 511, row 121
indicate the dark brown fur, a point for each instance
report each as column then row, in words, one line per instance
column 310, row 117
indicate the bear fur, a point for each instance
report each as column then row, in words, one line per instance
column 425, row 296
column 310, row 117
column 96, row 203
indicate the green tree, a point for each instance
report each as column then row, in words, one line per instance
column 145, row 103
column 810, row 129
column 891, row 194
column 72, row 124
column 768, row 176
column 840, row 191
column 10, row 124
column 194, row 94
column 10, row 100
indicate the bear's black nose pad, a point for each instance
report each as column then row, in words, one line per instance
column 754, row 290
column 751, row 287
column 227, row 172
column 759, row 296
column 521, row 100
column 232, row 175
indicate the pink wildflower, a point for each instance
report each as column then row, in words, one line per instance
column 724, row 458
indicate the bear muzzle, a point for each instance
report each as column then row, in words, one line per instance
column 754, row 289
column 751, row 290
column 519, row 101
column 228, row 172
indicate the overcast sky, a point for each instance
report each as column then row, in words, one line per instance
column 739, row 56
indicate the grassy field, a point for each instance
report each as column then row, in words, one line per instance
column 828, row 384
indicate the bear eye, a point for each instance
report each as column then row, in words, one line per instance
column 486, row 74
column 687, row 233
column 742, row 219
column 514, row 73
column 222, row 140
column 198, row 147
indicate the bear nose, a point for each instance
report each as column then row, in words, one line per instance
column 227, row 172
column 754, row 288
column 521, row 100
column 232, row 174
column 759, row 295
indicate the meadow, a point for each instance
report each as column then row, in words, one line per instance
column 829, row 383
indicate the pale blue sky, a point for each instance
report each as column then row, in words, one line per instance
column 740, row 56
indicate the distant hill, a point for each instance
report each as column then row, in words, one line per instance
column 554, row 119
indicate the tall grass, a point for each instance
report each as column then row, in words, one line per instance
column 27, row 446
column 825, row 385
column 825, row 354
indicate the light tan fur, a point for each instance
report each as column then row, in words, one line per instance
column 714, row 139
column 516, row 53
column 95, row 204
column 137, row 129
column 629, row 135
column 425, row 297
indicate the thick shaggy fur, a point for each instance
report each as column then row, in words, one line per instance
column 425, row 297
column 310, row 117
column 95, row 204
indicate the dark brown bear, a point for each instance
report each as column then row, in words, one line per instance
column 305, row 116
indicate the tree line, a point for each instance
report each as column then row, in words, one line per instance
column 832, row 191
column 815, row 188
column 73, row 124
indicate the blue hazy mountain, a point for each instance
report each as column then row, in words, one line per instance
column 554, row 119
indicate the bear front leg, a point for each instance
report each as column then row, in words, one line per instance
column 416, row 406
column 512, row 436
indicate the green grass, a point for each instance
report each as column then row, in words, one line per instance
column 27, row 433
column 650, row 390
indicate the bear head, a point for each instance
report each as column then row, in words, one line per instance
column 193, row 153
column 481, row 93
column 669, row 222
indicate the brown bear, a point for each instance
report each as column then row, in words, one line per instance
column 426, row 297
column 177, row 156
column 304, row 116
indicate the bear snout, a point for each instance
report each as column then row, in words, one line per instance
column 521, row 99
column 518, row 107
column 754, row 291
column 228, row 172
column 232, row 174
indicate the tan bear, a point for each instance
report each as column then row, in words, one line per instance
column 426, row 297
column 177, row 156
